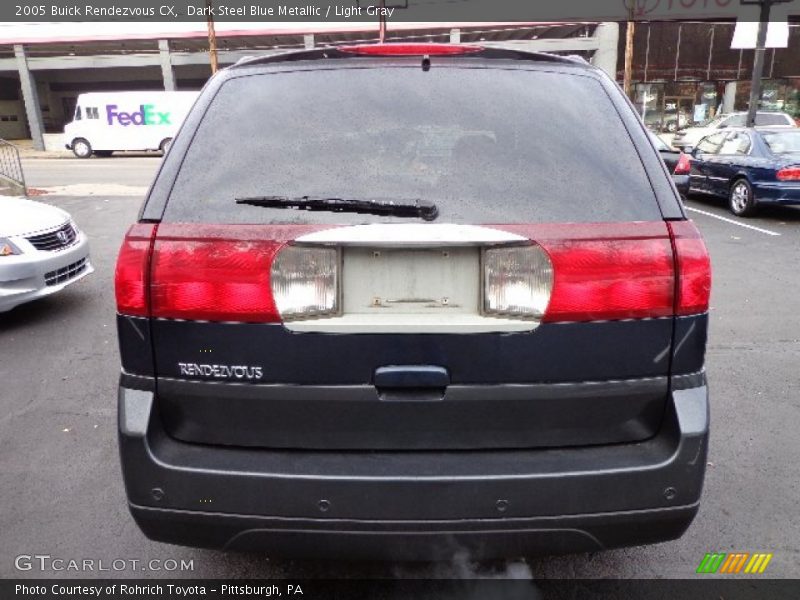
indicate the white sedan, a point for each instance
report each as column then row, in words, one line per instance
column 41, row 251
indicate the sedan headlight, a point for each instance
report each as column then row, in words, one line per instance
column 7, row 248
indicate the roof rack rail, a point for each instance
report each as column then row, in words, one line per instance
column 350, row 51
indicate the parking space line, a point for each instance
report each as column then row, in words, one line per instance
column 727, row 220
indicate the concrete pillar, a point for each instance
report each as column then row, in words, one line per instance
column 167, row 71
column 605, row 57
column 31, row 98
column 308, row 41
column 455, row 36
column 729, row 97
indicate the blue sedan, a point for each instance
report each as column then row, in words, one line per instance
column 748, row 167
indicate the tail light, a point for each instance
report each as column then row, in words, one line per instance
column 693, row 283
column 606, row 271
column 684, row 165
column 605, row 280
column 517, row 281
column 304, row 282
column 213, row 279
column 789, row 174
column 411, row 49
column 132, row 271
column 571, row 272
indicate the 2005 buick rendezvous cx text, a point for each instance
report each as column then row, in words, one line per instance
column 401, row 301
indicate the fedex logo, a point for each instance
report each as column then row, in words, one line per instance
column 146, row 115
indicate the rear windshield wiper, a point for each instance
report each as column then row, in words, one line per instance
column 414, row 208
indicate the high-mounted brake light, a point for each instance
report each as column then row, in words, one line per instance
column 684, row 165
column 694, row 269
column 789, row 174
column 411, row 49
column 132, row 271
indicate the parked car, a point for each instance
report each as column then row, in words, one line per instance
column 674, row 121
column 692, row 135
column 420, row 317
column 677, row 163
column 42, row 251
column 748, row 167
column 104, row 122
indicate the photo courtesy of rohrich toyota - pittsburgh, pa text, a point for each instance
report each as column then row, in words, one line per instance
column 400, row 299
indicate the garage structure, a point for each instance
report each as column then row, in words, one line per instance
column 683, row 72
column 44, row 69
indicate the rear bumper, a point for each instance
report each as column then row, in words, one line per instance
column 415, row 505
column 779, row 192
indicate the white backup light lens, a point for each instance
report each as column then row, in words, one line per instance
column 304, row 282
column 517, row 281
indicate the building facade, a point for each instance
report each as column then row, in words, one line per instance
column 686, row 73
column 44, row 68
column 683, row 72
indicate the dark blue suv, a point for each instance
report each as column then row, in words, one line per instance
column 390, row 301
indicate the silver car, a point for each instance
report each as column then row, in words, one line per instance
column 41, row 251
column 691, row 135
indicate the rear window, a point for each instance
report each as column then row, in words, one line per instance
column 486, row 145
column 783, row 142
column 774, row 119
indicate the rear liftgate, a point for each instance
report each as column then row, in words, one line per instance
column 413, row 336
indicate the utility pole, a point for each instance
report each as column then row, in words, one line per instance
column 628, row 74
column 382, row 23
column 212, row 38
column 758, row 63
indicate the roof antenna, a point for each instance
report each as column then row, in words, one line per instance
column 426, row 63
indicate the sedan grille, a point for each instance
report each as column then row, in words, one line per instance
column 59, row 239
column 64, row 274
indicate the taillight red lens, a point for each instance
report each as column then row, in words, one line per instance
column 694, row 269
column 217, row 272
column 789, row 174
column 684, row 165
column 131, row 274
column 411, row 49
column 607, row 271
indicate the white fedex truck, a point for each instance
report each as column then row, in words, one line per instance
column 107, row 121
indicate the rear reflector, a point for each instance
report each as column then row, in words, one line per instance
column 131, row 274
column 694, row 269
column 684, row 165
column 789, row 174
column 411, row 49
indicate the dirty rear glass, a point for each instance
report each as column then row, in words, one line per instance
column 487, row 145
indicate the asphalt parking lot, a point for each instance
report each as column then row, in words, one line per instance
column 62, row 490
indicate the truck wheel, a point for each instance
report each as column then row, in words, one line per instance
column 164, row 145
column 81, row 148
